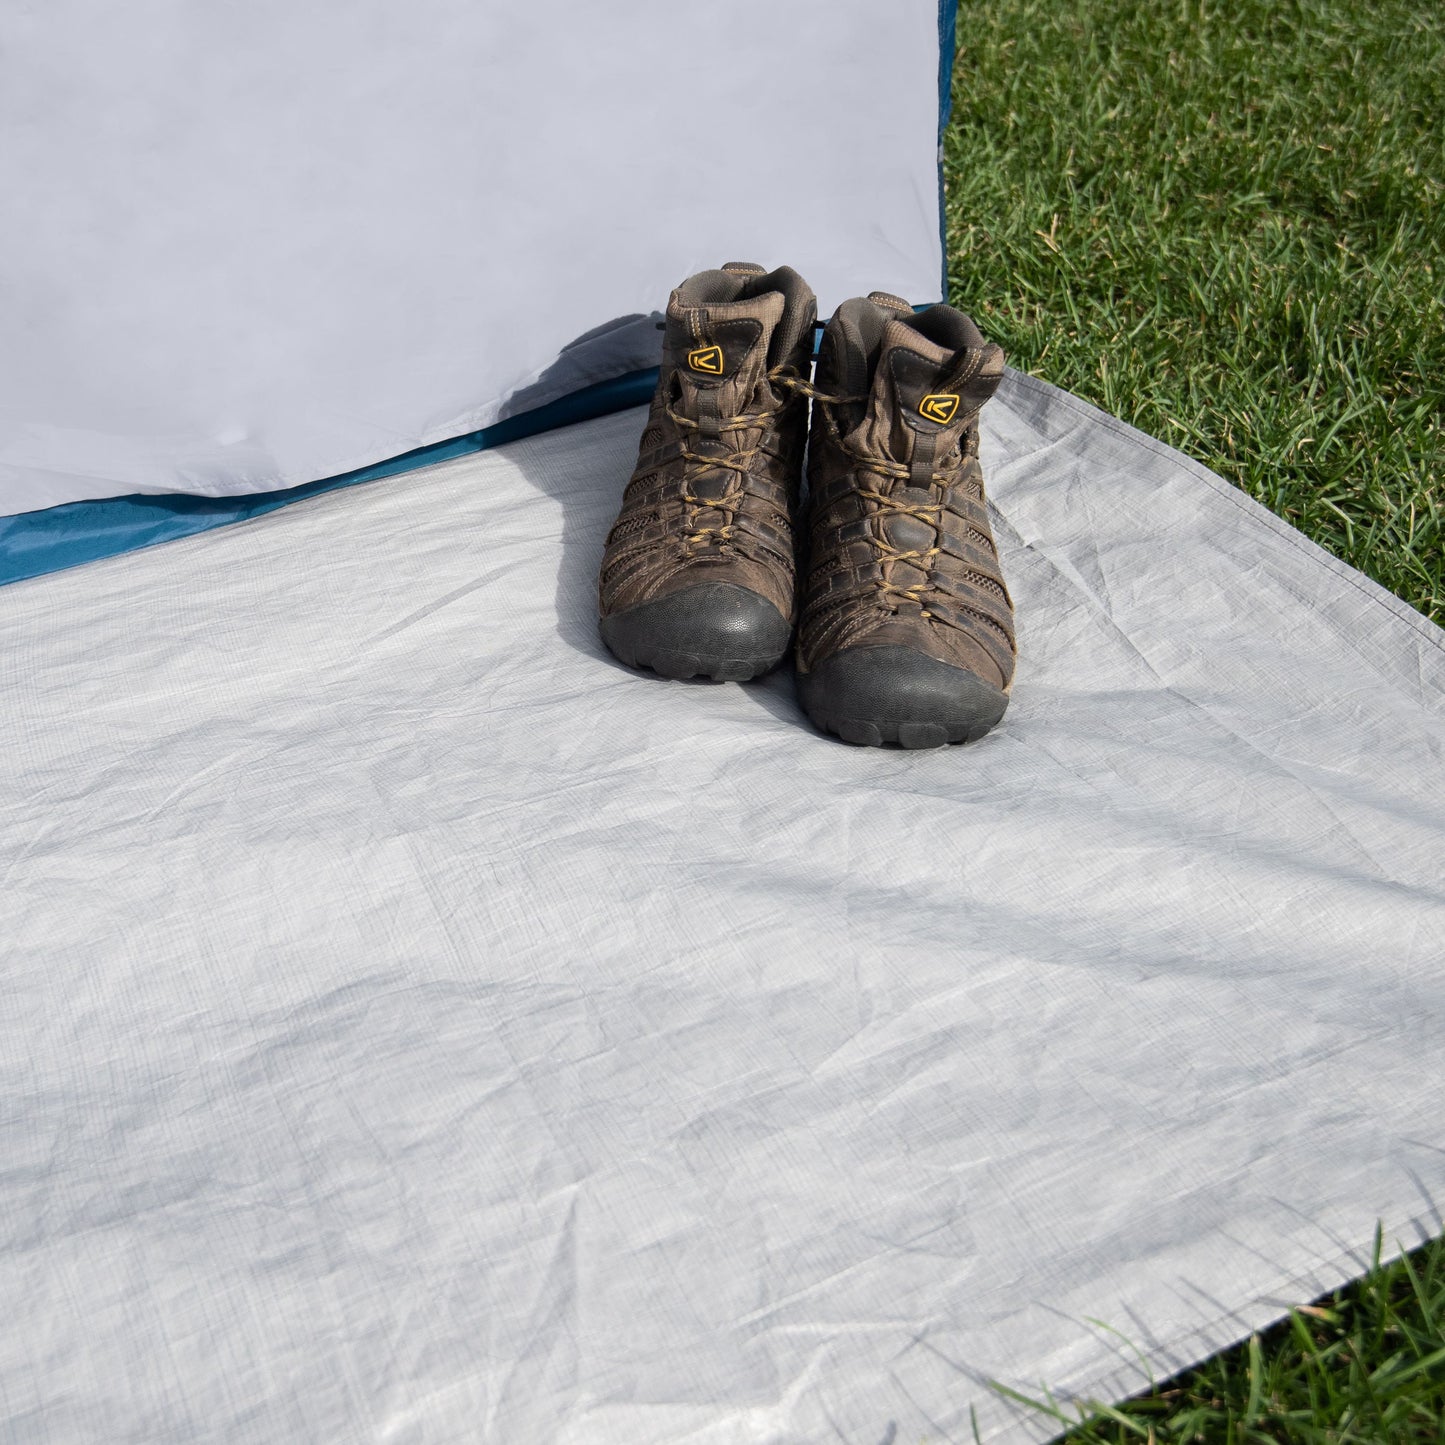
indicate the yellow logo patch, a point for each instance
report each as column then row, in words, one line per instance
column 939, row 407
column 707, row 359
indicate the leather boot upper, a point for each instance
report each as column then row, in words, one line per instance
column 715, row 492
column 900, row 548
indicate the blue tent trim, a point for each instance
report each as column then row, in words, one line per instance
column 947, row 49
column 35, row 543
column 47, row 541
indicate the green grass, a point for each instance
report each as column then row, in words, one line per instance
column 1365, row 1365
column 1225, row 224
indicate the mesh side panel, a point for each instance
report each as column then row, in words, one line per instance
column 990, row 622
column 764, row 550
column 822, row 572
column 987, row 584
column 631, row 526
column 613, row 570
column 639, row 484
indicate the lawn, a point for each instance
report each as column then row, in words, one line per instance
column 1226, row 224
column 1364, row 1366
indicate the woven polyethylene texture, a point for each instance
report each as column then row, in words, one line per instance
column 421, row 1028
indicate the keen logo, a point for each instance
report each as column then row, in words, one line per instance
column 709, row 360
column 939, row 407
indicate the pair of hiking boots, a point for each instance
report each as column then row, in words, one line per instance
column 904, row 628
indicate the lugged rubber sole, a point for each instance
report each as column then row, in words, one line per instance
column 715, row 630
column 875, row 695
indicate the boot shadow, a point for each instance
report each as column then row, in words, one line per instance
column 591, row 492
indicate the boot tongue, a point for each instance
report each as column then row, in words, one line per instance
column 719, row 352
column 923, row 394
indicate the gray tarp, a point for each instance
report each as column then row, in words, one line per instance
column 418, row 1028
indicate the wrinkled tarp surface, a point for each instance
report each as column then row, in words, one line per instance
column 418, row 1028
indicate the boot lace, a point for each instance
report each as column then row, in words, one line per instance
column 736, row 460
column 883, row 505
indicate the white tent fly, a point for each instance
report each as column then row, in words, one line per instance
column 415, row 1027
column 248, row 248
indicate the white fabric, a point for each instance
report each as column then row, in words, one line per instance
column 419, row 1028
column 248, row 246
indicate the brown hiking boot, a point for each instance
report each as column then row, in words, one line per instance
column 698, row 576
column 907, row 632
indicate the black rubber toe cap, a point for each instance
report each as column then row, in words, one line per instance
column 715, row 629
column 874, row 695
